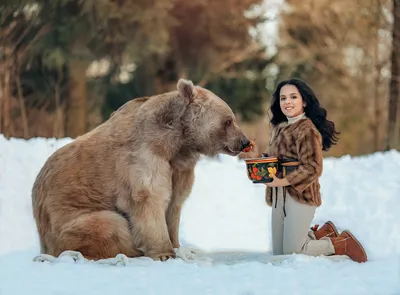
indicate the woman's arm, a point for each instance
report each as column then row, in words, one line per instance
column 309, row 151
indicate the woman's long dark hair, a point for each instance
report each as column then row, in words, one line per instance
column 313, row 110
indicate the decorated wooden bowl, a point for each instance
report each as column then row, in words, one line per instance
column 261, row 170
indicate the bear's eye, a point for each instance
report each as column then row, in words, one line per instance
column 228, row 123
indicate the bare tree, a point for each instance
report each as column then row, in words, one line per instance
column 14, row 28
column 342, row 49
column 393, row 135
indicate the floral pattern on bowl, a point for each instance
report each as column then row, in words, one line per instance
column 261, row 170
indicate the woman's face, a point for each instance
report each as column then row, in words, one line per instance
column 291, row 102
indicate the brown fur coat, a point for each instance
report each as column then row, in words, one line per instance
column 303, row 141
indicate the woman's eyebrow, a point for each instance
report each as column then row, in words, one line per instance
column 293, row 93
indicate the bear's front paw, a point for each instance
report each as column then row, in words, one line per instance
column 163, row 256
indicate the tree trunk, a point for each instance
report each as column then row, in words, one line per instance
column 377, row 125
column 58, row 121
column 6, row 104
column 1, row 100
column 24, row 116
column 76, row 113
column 377, row 110
column 394, row 86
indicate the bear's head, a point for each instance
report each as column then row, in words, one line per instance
column 209, row 125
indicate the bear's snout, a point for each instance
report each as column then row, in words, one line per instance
column 244, row 143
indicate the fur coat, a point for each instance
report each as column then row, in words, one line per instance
column 300, row 140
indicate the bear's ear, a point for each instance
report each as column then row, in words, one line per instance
column 187, row 90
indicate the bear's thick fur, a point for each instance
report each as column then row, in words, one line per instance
column 120, row 188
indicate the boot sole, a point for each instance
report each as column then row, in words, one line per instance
column 358, row 243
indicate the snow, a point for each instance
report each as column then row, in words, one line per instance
column 227, row 218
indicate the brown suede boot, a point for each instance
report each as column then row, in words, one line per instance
column 327, row 230
column 347, row 244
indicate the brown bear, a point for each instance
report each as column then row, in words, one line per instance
column 120, row 188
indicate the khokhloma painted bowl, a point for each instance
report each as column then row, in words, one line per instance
column 261, row 170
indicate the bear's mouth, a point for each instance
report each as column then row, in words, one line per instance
column 230, row 152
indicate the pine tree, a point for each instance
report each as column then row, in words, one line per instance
column 210, row 43
column 84, row 31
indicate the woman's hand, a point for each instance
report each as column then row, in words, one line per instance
column 277, row 182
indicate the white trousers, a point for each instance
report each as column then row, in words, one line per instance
column 291, row 233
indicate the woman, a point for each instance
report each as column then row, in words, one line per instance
column 300, row 133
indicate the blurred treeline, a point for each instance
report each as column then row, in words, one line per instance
column 65, row 65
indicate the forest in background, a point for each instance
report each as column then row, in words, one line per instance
column 66, row 65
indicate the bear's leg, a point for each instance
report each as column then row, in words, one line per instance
column 97, row 235
column 149, row 225
column 182, row 182
column 43, row 245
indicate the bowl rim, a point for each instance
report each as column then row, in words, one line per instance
column 262, row 160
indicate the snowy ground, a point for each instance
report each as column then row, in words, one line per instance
column 225, row 212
